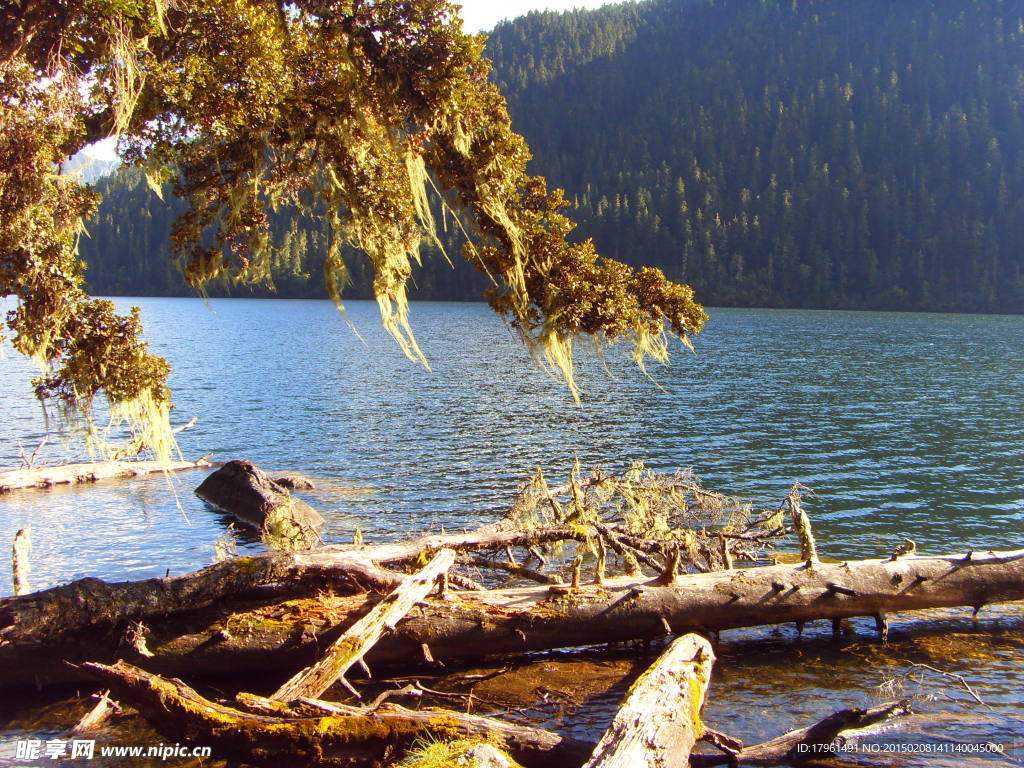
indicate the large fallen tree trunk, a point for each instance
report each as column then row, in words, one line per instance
column 64, row 474
column 469, row 625
column 659, row 722
column 179, row 712
column 474, row 624
column 536, row 618
column 89, row 602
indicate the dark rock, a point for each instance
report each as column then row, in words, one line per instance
column 294, row 481
column 242, row 489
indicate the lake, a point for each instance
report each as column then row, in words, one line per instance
column 902, row 424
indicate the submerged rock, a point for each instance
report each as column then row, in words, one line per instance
column 242, row 489
column 295, row 481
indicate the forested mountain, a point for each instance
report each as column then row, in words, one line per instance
column 803, row 153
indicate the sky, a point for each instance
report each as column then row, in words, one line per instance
column 482, row 15
column 477, row 15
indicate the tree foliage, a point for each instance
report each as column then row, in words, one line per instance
column 353, row 108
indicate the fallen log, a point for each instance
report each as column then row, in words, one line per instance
column 178, row 712
column 63, row 474
column 88, row 604
column 470, row 625
column 657, row 724
column 475, row 624
column 660, row 720
column 360, row 637
column 803, row 744
column 242, row 489
column 21, row 553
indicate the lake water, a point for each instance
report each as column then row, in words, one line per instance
column 903, row 425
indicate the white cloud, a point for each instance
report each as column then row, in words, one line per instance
column 104, row 150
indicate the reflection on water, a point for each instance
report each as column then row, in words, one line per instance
column 904, row 425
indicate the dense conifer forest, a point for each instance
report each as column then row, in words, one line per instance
column 803, row 153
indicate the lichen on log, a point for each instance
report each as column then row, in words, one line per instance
column 179, row 712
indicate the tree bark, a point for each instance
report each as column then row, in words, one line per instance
column 45, row 477
column 659, row 722
column 360, row 637
column 178, row 712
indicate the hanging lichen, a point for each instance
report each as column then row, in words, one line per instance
column 359, row 110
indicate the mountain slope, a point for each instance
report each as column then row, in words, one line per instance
column 797, row 153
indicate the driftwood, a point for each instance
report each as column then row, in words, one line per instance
column 242, row 489
column 63, row 474
column 800, row 745
column 470, row 624
column 360, row 637
column 95, row 718
column 21, row 553
column 346, row 733
column 474, row 624
column 659, row 722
